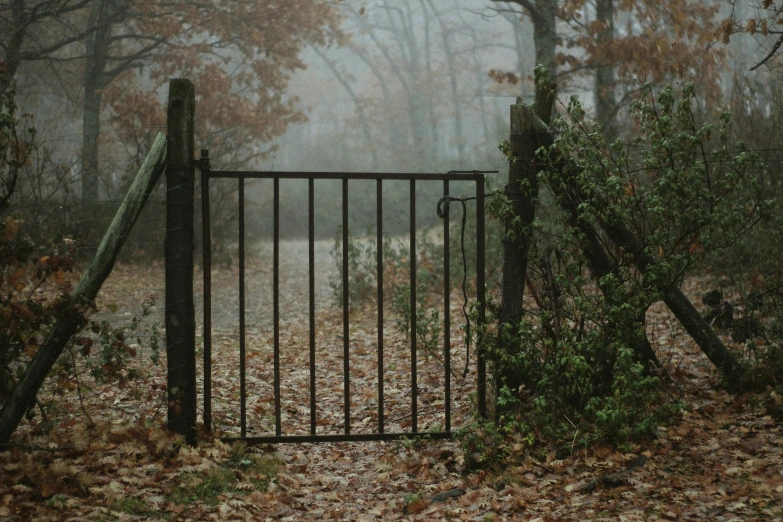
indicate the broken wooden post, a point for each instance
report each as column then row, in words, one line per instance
column 69, row 320
column 180, row 313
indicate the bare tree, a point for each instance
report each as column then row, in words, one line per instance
column 38, row 30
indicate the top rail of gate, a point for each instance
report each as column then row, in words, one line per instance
column 461, row 175
column 474, row 176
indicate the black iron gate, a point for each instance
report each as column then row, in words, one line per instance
column 207, row 174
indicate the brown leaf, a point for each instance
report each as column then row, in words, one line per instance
column 11, row 229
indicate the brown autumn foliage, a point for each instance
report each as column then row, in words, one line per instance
column 763, row 25
column 652, row 42
column 241, row 58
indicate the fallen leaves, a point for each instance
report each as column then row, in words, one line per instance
column 720, row 462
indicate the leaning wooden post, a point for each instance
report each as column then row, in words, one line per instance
column 180, row 313
column 70, row 318
column 522, row 193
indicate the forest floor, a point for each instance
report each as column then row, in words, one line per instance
column 101, row 453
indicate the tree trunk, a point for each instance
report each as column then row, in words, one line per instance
column 69, row 320
column 542, row 14
column 605, row 99
column 545, row 34
column 97, row 45
column 13, row 47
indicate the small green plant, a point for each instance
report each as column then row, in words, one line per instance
column 57, row 501
column 428, row 324
column 154, row 342
column 410, row 498
column 362, row 269
column 207, row 486
column 204, row 486
column 414, row 503
column 482, row 444
column 131, row 505
column 113, row 352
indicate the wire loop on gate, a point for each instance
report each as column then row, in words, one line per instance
column 442, row 209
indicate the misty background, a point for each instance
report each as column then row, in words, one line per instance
column 395, row 86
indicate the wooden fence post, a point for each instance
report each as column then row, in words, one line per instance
column 180, row 313
column 522, row 193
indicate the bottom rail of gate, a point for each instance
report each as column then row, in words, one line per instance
column 341, row 437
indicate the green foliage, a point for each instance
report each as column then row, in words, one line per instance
column 485, row 444
column 579, row 380
column 204, row 486
column 750, row 272
column 684, row 190
column 131, row 505
column 427, row 319
column 362, row 268
column 242, row 465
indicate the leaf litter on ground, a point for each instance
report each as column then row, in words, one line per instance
column 721, row 461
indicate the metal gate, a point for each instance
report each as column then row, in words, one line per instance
column 380, row 434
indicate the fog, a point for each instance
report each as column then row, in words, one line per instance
column 406, row 86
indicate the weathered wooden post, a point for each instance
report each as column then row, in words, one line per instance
column 522, row 193
column 180, row 313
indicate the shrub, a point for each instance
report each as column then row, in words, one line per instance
column 32, row 279
column 363, row 282
column 685, row 190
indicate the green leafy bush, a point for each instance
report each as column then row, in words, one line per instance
column 684, row 190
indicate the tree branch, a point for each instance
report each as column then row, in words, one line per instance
column 770, row 55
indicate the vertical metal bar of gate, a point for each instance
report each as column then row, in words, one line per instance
column 311, row 252
column 206, row 251
column 447, row 307
column 242, row 369
column 276, row 302
column 480, row 290
column 379, row 270
column 414, row 386
column 346, row 331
